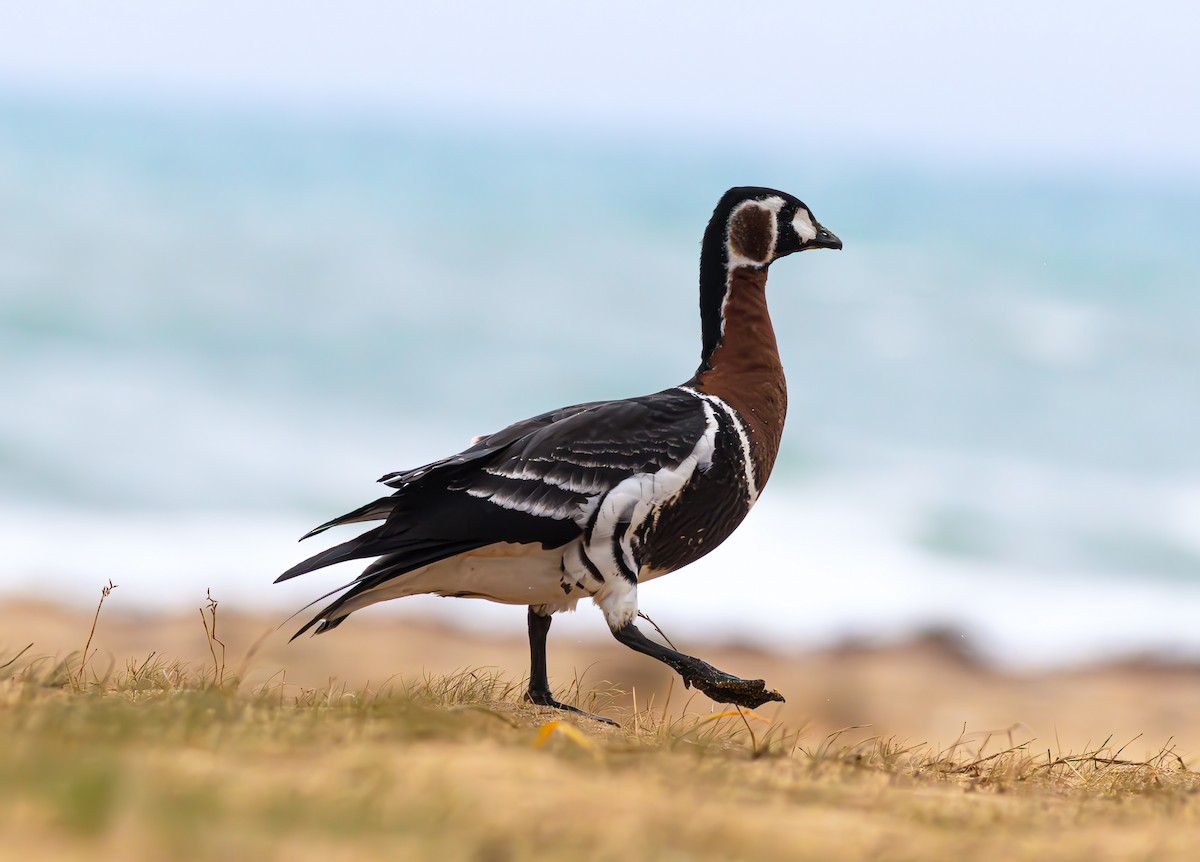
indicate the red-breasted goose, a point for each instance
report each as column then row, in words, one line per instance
column 590, row 500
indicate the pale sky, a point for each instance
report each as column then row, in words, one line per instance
column 1097, row 85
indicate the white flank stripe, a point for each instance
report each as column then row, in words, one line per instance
column 631, row 502
column 743, row 439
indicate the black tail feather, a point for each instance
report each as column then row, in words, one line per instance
column 381, row 571
column 375, row 511
column 399, row 553
column 315, row 601
column 325, row 625
column 369, row 544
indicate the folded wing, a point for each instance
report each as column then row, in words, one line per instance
column 535, row 481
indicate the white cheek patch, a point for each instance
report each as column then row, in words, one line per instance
column 803, row 225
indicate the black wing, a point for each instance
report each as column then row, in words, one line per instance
column 588, row 452
column 481, row 447
column 480, row 450
column 530, row 482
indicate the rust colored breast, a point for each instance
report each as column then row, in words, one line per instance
column 745, row 371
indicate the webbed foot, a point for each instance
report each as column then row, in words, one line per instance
column 725, row 688
column 720, row 686
column 545, row 698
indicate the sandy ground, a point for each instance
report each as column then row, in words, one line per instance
column 930, row 690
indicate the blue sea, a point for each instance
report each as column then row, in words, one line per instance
column 218, row 327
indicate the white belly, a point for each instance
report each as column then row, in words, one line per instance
column 506, row 572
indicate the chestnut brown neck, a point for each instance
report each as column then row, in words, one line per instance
column 744, row 370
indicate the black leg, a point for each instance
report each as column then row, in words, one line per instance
column 718, row 685
column 539, row 682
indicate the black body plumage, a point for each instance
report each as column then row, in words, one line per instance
column 525, row 484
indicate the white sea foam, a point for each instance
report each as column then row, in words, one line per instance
column 811, row 566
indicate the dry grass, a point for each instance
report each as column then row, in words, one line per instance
column 156, row 758
column 157, row 761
